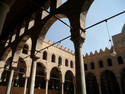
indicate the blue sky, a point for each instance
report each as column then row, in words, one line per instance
column 96, row 37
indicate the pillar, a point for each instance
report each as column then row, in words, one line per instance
column 25, row 85
column 80, row 73
column 4, row 9
column 47, row 82
column 32, row 77
column 78, row 38
column 62, row 91
column 10, row 82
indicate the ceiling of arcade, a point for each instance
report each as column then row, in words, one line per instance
column 22, row 12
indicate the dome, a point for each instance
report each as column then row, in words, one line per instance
column 123, row 28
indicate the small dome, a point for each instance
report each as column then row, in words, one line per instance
column 123, row 28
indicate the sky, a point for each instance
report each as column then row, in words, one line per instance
column 96, row 37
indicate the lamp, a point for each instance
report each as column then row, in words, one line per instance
column 112, row 50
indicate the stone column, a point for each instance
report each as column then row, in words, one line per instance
column 4, row 9
column 47, row 82
column 62, row 91
column 25, row 85
column 78, row 39
column 10, row 82
column 32, row 76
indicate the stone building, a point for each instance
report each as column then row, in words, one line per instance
column 55, row 69
column 107, row 72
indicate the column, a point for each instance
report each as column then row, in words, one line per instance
column 4, row 9
column 10, row 82
column 47, row 82
column 99, row 89
column 62, row 91
column 25, row 85
column 32, row 76
column 79, row 69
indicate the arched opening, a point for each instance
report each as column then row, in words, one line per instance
column 53, row 58
column 109, row 62
column 59, row 61
column 66, row 63
column 92, row 65
column 122, row 74
column 20, row 75
column 44, row 55
column 6, row 73
column 55, row 81
column 68, row 85
column 25, row 49
column 91, row 84
column 71, row 64
column 101, row 64
column 109, row 84
column 120, row 60
column 40, row 81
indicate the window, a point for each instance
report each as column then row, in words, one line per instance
column 71, row 64
column 66, row 62
column 120, row 60
column 53, row 58
column 101, row 64
column 85, row 67
column 25, row 49
column 59, row 61
column 44, row 55
column 92, row 66
column 109, row 61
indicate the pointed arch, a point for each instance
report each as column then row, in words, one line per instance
column 40, row 81
column 55, row 80
column 109, row 84
column 91, row 84
column 69, row 83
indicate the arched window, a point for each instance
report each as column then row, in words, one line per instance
column 53, row 58
column 66, row 62
column 71, row 64
column 25, row 49
column 85, row 67
column 59, row 61
column 109, row 61
column 101, row 64
column 44, row 55
column 92, row 66
column 120, row 60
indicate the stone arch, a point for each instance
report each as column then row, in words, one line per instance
column 19, row 79
column 69, row 83
column 59, row 60
column 109, row 84
column 40, row 81
column 66, row 62
column 53, row 58
column 120, row 60
column 91, row 84
column 122, row 76
column 50, row 19
column 71, row 64
column 44, row 57
column 109, row 62
column 55, row 80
